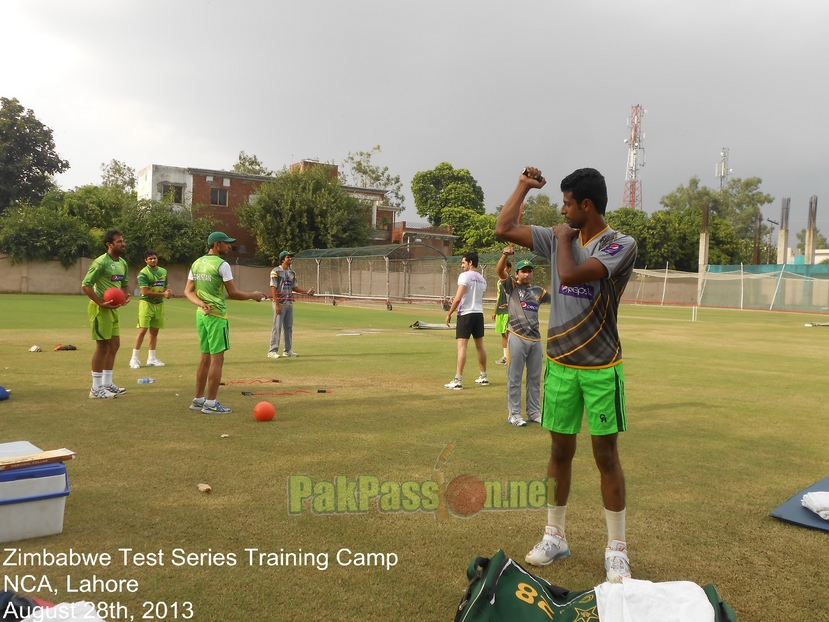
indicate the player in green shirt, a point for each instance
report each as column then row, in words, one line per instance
column 107, row 271
column 154, row 290
column 210, row 278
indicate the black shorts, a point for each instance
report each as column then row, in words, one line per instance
column 470, row 325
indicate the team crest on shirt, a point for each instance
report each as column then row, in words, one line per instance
column 577, row 291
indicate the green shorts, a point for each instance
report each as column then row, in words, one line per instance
column 501, row 322
column 214, row 333
column 570, row 392
column 150, row 315
column 104, row 322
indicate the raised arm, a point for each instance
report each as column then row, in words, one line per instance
column 507, row 227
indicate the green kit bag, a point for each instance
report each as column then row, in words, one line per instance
column 500, row 589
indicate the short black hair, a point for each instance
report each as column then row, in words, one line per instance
column 471, row 257
column 109, row 236
column 587, row 183
column 149, row 253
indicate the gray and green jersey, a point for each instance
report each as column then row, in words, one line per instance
column 209, row 274
column 523, row 308
column 583, row 330
column 156, row 281
column 105, row 273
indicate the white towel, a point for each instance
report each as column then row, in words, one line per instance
column 818, row 502
column 644, row 601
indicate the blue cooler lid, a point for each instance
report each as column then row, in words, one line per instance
column 41, row 470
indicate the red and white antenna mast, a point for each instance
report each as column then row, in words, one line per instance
column 636, row 159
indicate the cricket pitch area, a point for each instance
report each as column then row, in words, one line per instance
column 336, row 509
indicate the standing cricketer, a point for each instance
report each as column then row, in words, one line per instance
column 154, row 291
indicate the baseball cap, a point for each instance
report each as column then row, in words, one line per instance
column 218, row 236
column 524, row 263
column 285, row 254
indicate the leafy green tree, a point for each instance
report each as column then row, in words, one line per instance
column 118, row 175
column 300, row 210
column 357, row 170
column 444, row 187
column 98, row 206
column 169, row 230
column 479, row 236
column 27, row 155
column 820, row 240
column 39, row 233
column 539, row 210
column 738, row 203
column 250, row 165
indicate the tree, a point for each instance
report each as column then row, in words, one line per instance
column 300, row 210
column 444, row 187
column 38, row 233
column 27, row 155
column 538, row 210
column 479, row 236
column 820, row 240
column 634, row 223
column 169, row 230
column 98, row 206
column 250, row 165
column 117, row 174
column 357, row 170
column 738, row 203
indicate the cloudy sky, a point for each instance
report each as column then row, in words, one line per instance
column 488, row 86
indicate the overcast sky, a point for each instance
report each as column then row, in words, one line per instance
column 487, row 86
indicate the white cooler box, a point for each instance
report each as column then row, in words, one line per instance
column 32, row 499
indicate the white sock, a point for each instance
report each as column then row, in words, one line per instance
column 556, row 516
column 135, row 354
column 483, row 374
column 106, row 380
column 151, row 355
column 199, row 400
column 210, row 403
column 96, row 379
column 615, row 525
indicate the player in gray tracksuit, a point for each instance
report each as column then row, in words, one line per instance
column 524, row 341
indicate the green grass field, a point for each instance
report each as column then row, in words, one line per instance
column 727, row 419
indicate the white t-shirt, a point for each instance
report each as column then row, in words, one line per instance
column 472, row 300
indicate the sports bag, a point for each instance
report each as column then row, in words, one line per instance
column 501, row 590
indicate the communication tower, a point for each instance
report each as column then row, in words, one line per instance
column 722, row 168
column 636, row 159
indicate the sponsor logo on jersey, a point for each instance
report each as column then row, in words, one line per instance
column 529, row 305
column 577, row 291
column 158, row 284
column 612, row 248
column 117, row 277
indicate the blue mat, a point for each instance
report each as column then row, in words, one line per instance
column 793, row 511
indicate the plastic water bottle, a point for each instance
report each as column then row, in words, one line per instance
column 146, row 380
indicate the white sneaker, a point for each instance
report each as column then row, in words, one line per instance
column 289, row 353
column 501, row 361
column 135, row 364
column 273, row 355
column 516, row 420
column 101, row 394
column 197, row 404
column 552, row 547
column 482, row 380
column 616, row 562
column 455, row 384
column 115, row 389
column 154, row 363
column 534, row 419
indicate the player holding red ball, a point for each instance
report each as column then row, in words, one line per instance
column 107, row 271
